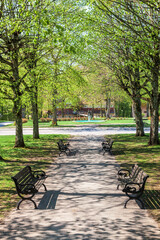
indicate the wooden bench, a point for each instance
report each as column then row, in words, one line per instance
column 133, row 183
column 28, row 183
column 63, row 147
column 107, row 145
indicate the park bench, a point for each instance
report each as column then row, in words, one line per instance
column 127, row 175
column 133, row 183
column 63, row 147
column 107, row 145
column 28, row 183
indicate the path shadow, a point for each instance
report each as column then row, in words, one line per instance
column 50, row 198
column 151, row 199
column 72, row 153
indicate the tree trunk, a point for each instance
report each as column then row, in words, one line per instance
column 153, row 139
column 107, row 110
column 35, row 117
column 54, row 119
column 54, row 109
column 19, row 142
column 154, row 107
column 138, row 117
column 62, row 112
column 147, row 109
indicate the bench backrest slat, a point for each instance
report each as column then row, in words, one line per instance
column 136, row 172
column 23, row 177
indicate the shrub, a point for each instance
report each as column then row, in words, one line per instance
column 24, row 120
column 45, row 119
column 42, row 119
column 48, row 119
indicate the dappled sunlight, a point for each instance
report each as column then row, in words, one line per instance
column 82, row 202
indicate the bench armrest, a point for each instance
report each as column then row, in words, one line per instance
column 123, row 172
column 131, row 187
column 39, row 174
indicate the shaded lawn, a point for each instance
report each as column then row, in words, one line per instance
column 129, row 149
column 38, row 153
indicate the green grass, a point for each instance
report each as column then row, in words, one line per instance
column 129, row 149
column 38, row 153
column 105, row 123
column 1, row 121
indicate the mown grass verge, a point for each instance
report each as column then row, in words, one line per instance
column 38, row 153
column 128, row 150
column 105, row 123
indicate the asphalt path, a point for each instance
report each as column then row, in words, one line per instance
column 76, row 131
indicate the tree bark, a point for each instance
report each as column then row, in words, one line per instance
column 54, row 119
column 19, row 142
column 138, row 117
column 153, row 138
column 35, row 117
column 154, row 104
column 62, row 112
column 107, row 110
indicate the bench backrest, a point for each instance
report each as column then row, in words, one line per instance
column 141, row 178
column 23, row 177
column 60, row 145
column 111, row 142
column 135, row 170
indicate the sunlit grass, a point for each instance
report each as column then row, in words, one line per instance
column 105, row 123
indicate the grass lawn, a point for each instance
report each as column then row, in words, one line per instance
column 105, row 123
column 38, row 153
column 129, row 149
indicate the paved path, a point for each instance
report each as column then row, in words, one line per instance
column 2, row 124
column 93, row 130
column 81, row 202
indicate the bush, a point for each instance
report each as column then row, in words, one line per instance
column 45, row 119
column 24, row 120
column 48, row 119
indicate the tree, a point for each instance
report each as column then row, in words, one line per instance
column 15, row 26
column 146, row 30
